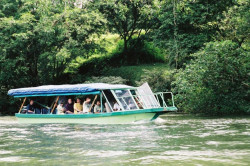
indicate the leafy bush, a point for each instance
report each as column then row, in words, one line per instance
column 136, row 72
column 109, row 79
column 139, row 52
column 158, row 80
column 216, row 82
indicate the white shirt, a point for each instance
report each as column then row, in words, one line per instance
column 59, row 109
column 97, row 108
column 117, row 107
column 86, row 107
column 132, row 106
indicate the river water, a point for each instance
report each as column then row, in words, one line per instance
column 170, row 140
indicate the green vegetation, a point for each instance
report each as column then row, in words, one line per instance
column 197, row 49
column 216, row 81
column 136, row 74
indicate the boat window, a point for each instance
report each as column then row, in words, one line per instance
column 126, row 99
column 110, row 98
column 147, row 97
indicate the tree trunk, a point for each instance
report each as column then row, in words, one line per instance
column 175, row 35
column 125, row 51
column 125, row 44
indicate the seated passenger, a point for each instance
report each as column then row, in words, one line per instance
column 60, row 108
column 131, row 105
column 78, row 106
column 97, row 108
column 116, row 106
column 139, row 104
column 69, row 107
column 30, row 107
column 86, row 105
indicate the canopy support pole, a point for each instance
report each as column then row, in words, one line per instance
column 93, row 103
column 55, row 105
column 42, row 105
column 101, row 102
column 22, row 105
column 52, row 103
column 111, row 109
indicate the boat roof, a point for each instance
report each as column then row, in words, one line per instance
column 66, row 89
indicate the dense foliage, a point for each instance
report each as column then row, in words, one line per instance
column 186, row 25
column 129, row 17
column 216, row 82
column 119, row 41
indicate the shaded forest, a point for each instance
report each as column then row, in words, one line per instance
column 198, row 49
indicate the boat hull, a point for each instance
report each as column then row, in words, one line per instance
column 122, row 119
column 103, row 118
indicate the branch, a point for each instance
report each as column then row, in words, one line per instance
column 132, row 29
column 117, row 27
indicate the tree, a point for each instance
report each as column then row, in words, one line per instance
column 216, row 82
column 128, row 18
column 236, row 23
column 51, row 35
column 39, row 40
column 186, row 25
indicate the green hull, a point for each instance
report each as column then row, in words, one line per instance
column 122, row 119
column 104, row 118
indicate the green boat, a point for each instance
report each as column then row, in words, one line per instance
column 135, row 103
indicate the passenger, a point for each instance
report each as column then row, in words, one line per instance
column 30, row 107
column 62, row 99
column 60, row 108
column 116, row 106
column 69, row 107
column 131, row 105
column 86, row 105
column 97, row 108
column 78, row 106
column 139, row 104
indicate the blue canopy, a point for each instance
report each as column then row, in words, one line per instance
column 60, row 90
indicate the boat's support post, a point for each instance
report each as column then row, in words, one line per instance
column 22, row 105
column 55, row 104
column 101, row 102
column 133, row 99
column 52, row 103
column 107, row 102
column 172, row 99
column 157, row 115
column 93, row 103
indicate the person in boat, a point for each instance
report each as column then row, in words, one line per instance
column 30, row 107
column 60, row 108
column 97, row 108
column 69, row 107
column 62, row 99
column 78, row 106
column 86, row 105
column 139, row 104
column 116, row 106
column 131, row 104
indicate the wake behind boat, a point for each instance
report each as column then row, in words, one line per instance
column 111, row 104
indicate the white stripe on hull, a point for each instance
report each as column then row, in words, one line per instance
column 120, row 119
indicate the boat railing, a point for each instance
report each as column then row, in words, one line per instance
column 164, row 99
column 156, row 100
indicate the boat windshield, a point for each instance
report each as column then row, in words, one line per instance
column 126, row 99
